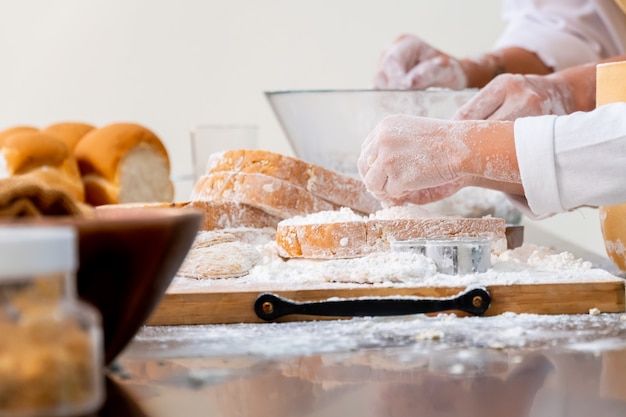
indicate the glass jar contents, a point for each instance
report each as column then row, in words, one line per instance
column 51, row 345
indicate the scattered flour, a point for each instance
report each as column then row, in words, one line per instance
column 409, row 211
column 533, row 257
column 528, row 264
column 344, row 214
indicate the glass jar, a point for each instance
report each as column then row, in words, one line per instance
column 452, row 255
column 51, row 344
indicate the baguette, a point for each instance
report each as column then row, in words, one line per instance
column 336, row 188
column 351, row 239
column 276, row 197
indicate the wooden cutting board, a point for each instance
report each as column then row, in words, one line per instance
column 221, row 302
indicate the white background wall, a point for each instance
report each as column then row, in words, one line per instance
column 170, row 65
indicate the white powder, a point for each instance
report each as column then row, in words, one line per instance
column 344, row 214
column 530, row 257
column 408, row 211
column 528, row 264
column 616, row 247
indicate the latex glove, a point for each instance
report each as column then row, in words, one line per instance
column 408, row 158
column 510, row 96
column 409, row 62
column 420, row 160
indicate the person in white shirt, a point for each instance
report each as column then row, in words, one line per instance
column 542, row 37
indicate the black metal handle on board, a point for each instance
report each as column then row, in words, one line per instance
column 474, row 301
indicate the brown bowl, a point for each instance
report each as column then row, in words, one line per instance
column 127, row 259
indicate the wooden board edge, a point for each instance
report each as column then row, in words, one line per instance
column 546, row 298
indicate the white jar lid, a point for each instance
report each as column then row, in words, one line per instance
column 30, row 250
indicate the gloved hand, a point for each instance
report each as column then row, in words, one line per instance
column 510, row 96
column 411, row 158
column 420, row 160
column 409, row 62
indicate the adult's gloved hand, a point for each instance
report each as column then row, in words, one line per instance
column 410, row 62
column 509, row 96
column 420, row 160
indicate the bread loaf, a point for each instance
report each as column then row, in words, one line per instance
column 297, row 238
column 124, row 163
column 336, row 188
column 69, row 132
column 276, row 197
column 42, row 157
column 16, row 129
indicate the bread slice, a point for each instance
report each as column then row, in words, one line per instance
column 228, row 214
column 297, row 238
column 276, row 197
column 336, row 188
column 124, row 163
column 219, row 254
column 217, row 214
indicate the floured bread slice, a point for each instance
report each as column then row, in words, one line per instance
column 217, row 214
column 124, row 163
column 321, row 239
column 338, row 189
column 228, row 214
column 276, row 197
column 219, row 254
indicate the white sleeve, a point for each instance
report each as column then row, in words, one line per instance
column 572, row 161
column 564, row 33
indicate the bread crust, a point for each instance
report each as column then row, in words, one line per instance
column 101, row 154
column 28, row 150
column 336, row 188
column 44, row 157
column 228, row 214
column 358, row 238
column 276, row 197
column 613, row 226
column 69, row 132
column 101, row 150
column 217, row 214
column 16, row 129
